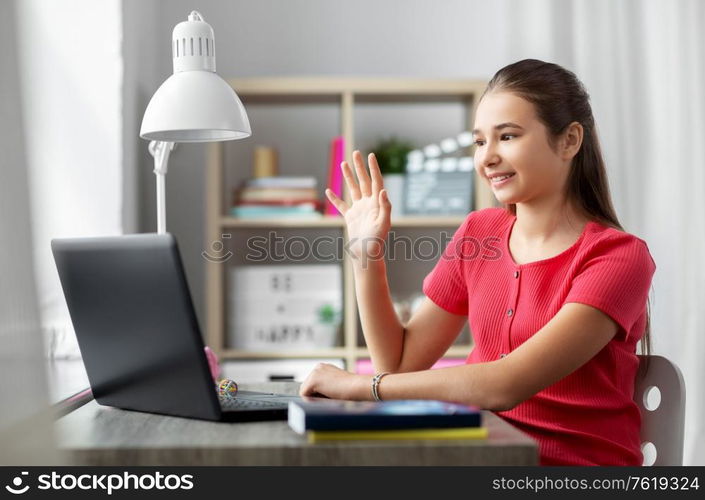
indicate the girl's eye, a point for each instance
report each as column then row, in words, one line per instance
column 480, row 142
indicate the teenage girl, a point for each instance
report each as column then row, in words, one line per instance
column 554, row 290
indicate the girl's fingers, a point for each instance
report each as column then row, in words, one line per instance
column 350, row 181
column 385, row 206
column 337, row 202
column 377, row 181
column 362, row 176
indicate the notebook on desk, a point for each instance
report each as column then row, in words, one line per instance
column 138, row 333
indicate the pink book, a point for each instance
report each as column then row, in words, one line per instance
column 364, row 366
column 335, row 174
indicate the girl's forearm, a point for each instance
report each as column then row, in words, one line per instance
column 478, row 384
column 383, row 332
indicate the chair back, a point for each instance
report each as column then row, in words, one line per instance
column 662, row 421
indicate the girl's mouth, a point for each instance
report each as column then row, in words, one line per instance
column 501, row 181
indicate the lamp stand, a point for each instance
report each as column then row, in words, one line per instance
column 160, row 150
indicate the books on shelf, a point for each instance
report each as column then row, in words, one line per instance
column 399, row 434
column 284, row 210
column 277, row 197
column 305, row 416
column 279, row 181
column 276, row 194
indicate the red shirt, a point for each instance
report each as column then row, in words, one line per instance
column 589, row 417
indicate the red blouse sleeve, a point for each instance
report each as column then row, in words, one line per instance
column 615, row 278
column 445, row 284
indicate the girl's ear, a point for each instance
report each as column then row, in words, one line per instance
column 572, row 140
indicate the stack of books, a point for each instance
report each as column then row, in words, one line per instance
column 320, row 420
column 277, row 196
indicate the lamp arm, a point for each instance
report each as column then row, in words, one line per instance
column 160, row 150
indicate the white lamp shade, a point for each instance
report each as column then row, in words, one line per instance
column 195, row 106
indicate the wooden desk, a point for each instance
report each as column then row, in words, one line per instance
column 99, row 435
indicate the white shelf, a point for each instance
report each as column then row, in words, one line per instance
column 333, row 352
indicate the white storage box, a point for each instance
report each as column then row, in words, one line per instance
column 282, row 308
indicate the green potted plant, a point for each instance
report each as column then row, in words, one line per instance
column 391, row 156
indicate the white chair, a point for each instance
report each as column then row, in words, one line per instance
column 662, row 419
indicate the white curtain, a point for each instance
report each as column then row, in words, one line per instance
column 26, row 436
column 71, row 70
column 643, row 63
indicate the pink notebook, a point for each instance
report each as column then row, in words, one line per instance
column 335, row 174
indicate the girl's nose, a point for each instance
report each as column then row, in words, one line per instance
column 488, row 157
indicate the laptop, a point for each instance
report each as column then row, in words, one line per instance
column 138, row 334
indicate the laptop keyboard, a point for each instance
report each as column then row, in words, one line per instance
column 249, row 404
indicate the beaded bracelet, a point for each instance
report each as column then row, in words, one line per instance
column 375, row 383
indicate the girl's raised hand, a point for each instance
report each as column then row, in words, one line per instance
column 368, row 217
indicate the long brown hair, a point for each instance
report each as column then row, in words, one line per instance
column 560, row 99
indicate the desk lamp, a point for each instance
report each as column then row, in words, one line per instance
column 192, row 105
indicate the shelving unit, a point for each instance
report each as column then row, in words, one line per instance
column 345, row 91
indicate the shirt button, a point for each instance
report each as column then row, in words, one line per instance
column 510, row 312
column 516, row 274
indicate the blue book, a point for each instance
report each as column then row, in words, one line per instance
column 252, row 211
column 365, row 415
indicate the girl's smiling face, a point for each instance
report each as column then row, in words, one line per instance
column 510, row 139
